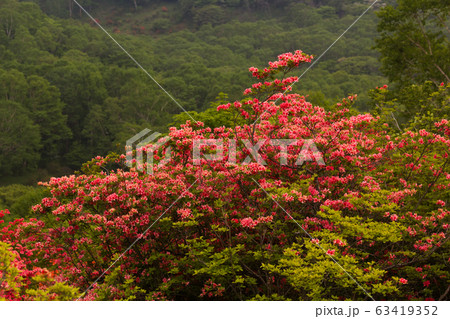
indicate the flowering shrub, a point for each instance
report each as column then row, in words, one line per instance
column 17, row 282
column 241, row 230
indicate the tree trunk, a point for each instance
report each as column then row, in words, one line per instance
column 70, row 8
column 9, row 27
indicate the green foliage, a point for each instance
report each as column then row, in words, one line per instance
column 415, row 56
column 20, row 284
column 315, row 276
column 19, row 141
column 378, row 207
column 18, row 199
column 412, row 107
column 209, row 14
column 210, row 117
column 80, row 96
column 414, row 41
column 116, row 286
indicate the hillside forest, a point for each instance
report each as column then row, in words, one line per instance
column 367, row 82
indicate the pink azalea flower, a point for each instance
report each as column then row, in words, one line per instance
column 331, row 252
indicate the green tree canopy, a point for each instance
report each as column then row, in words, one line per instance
column 415, row 41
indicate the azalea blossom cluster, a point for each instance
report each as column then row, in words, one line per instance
column 18, row 282
column 218, row 230
column 285, row 62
